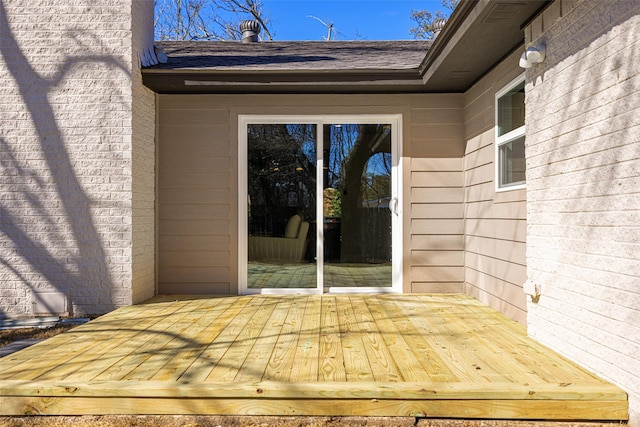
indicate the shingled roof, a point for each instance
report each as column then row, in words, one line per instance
column 300, row 66
column 477, row 36
column 295, row 56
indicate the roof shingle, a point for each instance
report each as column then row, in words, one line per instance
column 293, row 56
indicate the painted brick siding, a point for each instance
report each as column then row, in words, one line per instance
column 66, row 156
column 583, row 185
column 143, row 158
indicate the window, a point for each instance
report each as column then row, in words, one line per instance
column 510, row 135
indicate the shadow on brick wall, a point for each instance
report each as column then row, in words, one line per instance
column 29, row 230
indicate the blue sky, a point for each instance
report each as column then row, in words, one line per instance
column 352, row 19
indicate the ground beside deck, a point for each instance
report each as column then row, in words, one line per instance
column 444, row 356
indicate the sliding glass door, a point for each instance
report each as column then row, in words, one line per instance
column 319, row 205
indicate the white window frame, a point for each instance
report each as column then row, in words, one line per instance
column 501, row 140
column 397, row 194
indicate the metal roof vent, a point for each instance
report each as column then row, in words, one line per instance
column 250, row 30
column 437, row 26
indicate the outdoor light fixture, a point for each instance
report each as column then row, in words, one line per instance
column 533, row 55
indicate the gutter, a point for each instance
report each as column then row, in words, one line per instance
column 285, row 72
column 195, row 80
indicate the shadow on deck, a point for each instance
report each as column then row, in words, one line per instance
column 437, row 356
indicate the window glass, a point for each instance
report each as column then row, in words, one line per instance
column 512, row 163
column 510, row 137
column 511, row 110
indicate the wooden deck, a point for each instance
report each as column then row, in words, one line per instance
column 389, row 355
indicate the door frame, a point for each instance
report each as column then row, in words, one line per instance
column 396, row 193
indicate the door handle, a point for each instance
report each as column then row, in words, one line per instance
column 393, row 205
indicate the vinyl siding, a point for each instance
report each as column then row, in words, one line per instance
column 195, row 200
column 197, row 210
column 436, row 203
column 495, row 222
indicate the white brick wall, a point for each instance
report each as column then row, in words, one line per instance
column 583, row 185
column 70, row 135
column 144, row 159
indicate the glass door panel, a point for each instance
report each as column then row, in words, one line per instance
column 357, row 196
column 281, row 206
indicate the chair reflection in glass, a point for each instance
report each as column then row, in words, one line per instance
column 290, row 248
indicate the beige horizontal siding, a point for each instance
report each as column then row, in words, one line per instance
column 438, row 287
column 181, row 180
column 503, row 250
column 437, row 258
column 196, row 243
column 435, row 164
column 487, row 209
column 434, row 179
column 500, row 294
column 483, row 155
column 177, row 277
column 194, row 211
column 453, row 275
column 197, row 142
column 436, row 199
column 185, row 161
column 195, row 200
column 514, row 230
column 495, row 222
column 187, row 196
column 451, row 242
column 437, row 210
column 195, row 259
column 505, row 270
column 212, row 227
column 479, row 174
column 437, row 226
column 437, row 195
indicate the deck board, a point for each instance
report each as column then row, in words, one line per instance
column 156, row 353
column 378, row 354
column 432, row 365
column 356, row 362
column 229, row 365
column 123, row 354
column 384, row 355
column 281, row 358
column 196, row 363
column 307, row 354
column 331, row 354
column 31, row 364
column 403, row 354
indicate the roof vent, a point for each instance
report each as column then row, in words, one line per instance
column 501, row 12
column 250, row 31
column 437, row 26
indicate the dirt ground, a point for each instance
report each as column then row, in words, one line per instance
column 10, row 335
